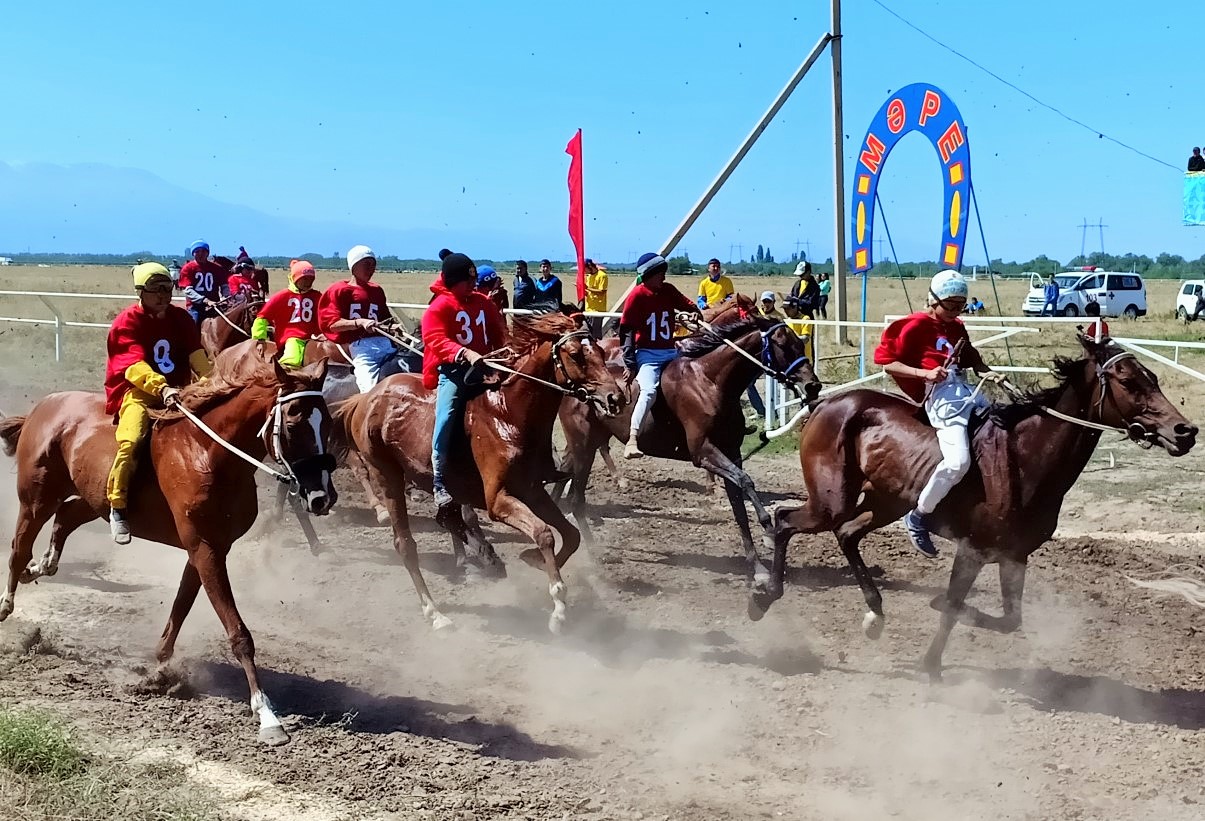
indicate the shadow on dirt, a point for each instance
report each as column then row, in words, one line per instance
column 612, row 640
column 1047, row 689
column 325, row 701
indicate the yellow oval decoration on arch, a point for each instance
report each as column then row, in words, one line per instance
column 861, row 223
column 955, row 213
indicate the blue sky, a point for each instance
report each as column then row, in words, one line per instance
column 453, row 117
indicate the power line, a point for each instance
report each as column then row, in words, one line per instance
column 1100, row 134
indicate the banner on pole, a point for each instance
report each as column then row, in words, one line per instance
column 1194, row 198
column 925, row 108
column 577, row 221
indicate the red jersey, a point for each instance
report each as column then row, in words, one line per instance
column 206, row 279
column 164, row 343
column 1104, row 329
column 921, row 341
column 241, row 285
column 650, row 314
column 292, row 315
column 450, row 325
column 348, row 300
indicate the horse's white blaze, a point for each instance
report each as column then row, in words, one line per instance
column 316, row 424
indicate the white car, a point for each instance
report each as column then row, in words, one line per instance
column 1118, row 294
column 1186, row 298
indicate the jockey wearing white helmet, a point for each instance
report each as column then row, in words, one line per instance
column 918, row 352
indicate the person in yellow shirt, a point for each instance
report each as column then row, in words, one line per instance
column 800, row 324
column 715, row 287
column 596, row 296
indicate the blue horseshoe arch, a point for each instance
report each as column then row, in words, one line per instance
column 925, row 108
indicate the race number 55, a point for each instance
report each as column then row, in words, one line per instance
column 353, row 311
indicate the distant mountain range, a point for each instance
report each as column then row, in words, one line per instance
column 102, row 208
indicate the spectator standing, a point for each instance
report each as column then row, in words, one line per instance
column 714, row 288
column 806, row 290
column 825, row 284
column 1196, row 162
column 1051, row 293
column 525, row 287
column 596, row 297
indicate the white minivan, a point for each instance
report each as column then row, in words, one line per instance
column 1118, row 294
column 1186, row 298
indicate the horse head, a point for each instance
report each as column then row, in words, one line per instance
column 785, row 353
column 297, row 432
column 1127, row 395
column 579, row 362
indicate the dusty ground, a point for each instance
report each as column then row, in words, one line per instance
column 662, row 700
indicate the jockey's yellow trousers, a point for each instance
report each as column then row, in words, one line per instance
column 133, row 424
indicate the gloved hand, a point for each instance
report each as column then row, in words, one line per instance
column 469, row 357
column 170, row 396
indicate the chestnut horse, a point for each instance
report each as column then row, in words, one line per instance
column 697, row 416
column 867, row 454
column 218, row 333
column 503, row 459
column 188, row 491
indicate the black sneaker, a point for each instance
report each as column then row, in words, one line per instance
column 118, row 526
column 918, row 534
column 443, row 499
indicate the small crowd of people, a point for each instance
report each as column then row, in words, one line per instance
column 1196, row 162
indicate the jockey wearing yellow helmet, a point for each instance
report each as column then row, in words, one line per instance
column 154, row 348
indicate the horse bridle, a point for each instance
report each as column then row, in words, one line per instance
column 575, row 389
column 1141, row 435
column 784, row 375
column 275, row 444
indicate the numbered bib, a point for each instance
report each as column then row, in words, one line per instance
column 659, row 323
column 354, row 311
column 162, row 356
column 303, row 310
column 465, row 337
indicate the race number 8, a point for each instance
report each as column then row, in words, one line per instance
column 162, row 353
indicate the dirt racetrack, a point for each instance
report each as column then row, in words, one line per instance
column 661, row 700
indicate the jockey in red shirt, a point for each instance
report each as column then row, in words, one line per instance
column 203, row 282
column 154, row 348
column 292, row 315
column 915, row 351
column 459, row 327
column 348, row 313
column 647, row 330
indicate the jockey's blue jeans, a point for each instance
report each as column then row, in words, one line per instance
column 449, row 413
column 649, row 364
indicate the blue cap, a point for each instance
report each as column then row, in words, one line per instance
column 486, row 273
column 192, row 249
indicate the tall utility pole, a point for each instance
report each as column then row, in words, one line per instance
column 839, row 268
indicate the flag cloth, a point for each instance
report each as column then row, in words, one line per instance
column 577, row 223
column 1194, row 198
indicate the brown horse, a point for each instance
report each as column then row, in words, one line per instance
column 502, row 462
column 866, row 455
column 188, row 491
column 697, row 416
column 231, row 327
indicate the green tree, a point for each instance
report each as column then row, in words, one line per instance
column 761, row 254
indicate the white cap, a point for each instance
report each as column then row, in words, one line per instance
column 946, row 284
column 358, row 253
column 768, row 295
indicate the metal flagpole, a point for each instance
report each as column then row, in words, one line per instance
column 840, row 292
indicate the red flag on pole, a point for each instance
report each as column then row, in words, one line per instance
column 577, row 227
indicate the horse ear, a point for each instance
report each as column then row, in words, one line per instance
column 1093, row 348
column 315, row 372
column 282, row 376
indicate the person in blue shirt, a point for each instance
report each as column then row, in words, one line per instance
column 525, row 287
column 548, row 289
column 1051, row 292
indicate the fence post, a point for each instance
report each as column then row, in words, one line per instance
column 58, row 328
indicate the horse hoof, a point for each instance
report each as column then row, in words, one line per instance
column 623, row 485
column 29, row 574
column 382, row 516
column 759, row 603
column 441, row 622
column 273, row 736
column 872, row 625
column 556, row 624
column 6, row 609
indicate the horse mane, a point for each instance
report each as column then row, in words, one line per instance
column 199, row 397
column 529, row 332
column 708, row 339
column 1008, row 414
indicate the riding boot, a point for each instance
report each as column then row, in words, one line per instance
column 917, row 524
column 443, row 499
column 119, row 527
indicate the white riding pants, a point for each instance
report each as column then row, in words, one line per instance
column 367, row 357
column 949, row 407
column 649, row 364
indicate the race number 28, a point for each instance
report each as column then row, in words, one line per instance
column 303, row 309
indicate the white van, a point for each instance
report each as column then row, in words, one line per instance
column 1118, row 294
column 1186, row 298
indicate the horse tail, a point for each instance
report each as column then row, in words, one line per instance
column 10, row 432
column 1190, row 589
